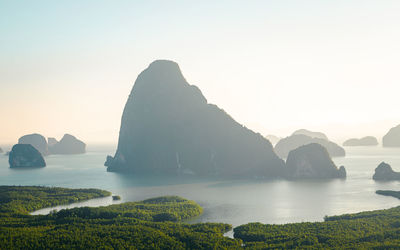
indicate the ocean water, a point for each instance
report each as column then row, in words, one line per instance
column 234, row 202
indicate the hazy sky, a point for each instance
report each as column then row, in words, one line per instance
column 275, row 66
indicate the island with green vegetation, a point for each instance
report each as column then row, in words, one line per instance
column 150, row 224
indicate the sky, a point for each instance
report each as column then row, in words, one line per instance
column 274, row 66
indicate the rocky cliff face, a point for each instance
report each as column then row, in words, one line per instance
column 69, row 144
column 37, row 141
column 392, row 138
column 284, row 146
column 384, row 172
column 365, row 141
column 312, row 161
column 25, row 155
column 168, row 127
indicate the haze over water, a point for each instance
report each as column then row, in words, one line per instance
column 231, row 201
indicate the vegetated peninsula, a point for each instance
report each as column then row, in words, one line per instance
column 365, row 141
column 392, row 138
column 168, row 127
column 284, row 146
column 154, row 223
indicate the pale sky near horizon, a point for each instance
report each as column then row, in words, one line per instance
column 275, row 66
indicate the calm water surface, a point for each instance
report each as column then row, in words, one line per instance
column 234, row 202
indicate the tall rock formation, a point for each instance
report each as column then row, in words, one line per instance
column 312, row 161
column 168, row 127
column 37, row 141
column 284, row 146
column 392, row 138
column 25, row 155
column 69, row 144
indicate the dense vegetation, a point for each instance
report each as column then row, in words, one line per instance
column 157, row 224
column 149, row 224
column 25, row 199
column 374, row 229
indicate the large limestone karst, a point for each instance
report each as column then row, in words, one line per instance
column 392, row 138
column 365, row 141
column 25, row 155
column 312, row 161
column 168, row 127
column 284, row 146
column 384, row 172
column 38, row 141
column 311, row 134
column 69, row 144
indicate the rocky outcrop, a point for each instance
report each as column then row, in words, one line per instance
column 392, row 138
column 284, row 146
column 365, row 141
column 384, row 172
column 25, row 155
column 168, row 127
column 312, row 161
column 51, row 141
column 69, row 144
column 37, row 141
column 311, row 134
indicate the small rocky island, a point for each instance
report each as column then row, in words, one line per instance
column 38, row 141
column 284, row 146
column 365, row 141
column 69, row 144
column 392, row 138
column 312, row 161
column 384, row 172
column 25, row 155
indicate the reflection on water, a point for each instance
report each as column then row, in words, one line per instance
column 235, row 202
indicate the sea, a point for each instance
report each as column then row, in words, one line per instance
column 234, row 202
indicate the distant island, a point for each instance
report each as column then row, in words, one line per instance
column 168, row 127
column 285, row 145
column 392, row 138
column 311, row 134
column 69, row 144
column 365, row 141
